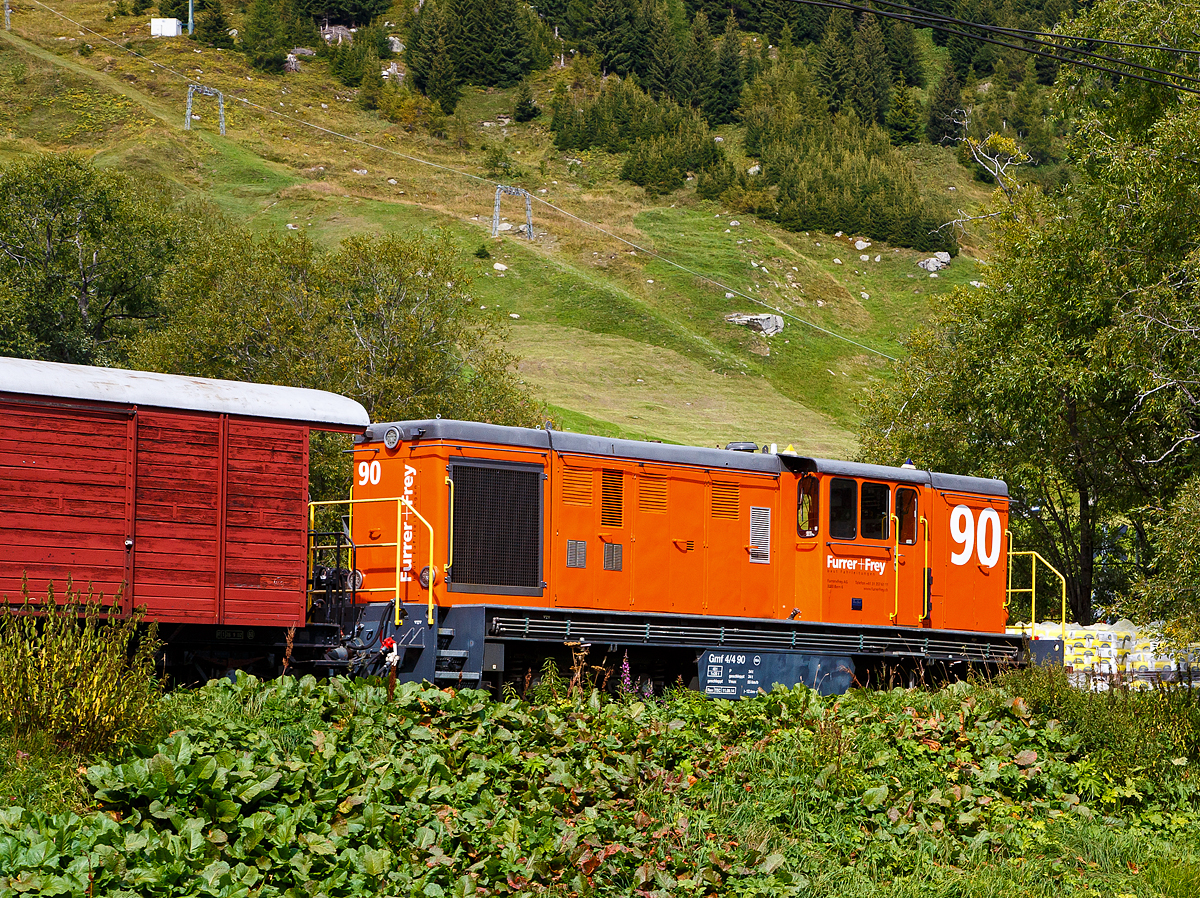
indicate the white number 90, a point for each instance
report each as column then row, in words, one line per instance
column 963, row 531
column 369, row 472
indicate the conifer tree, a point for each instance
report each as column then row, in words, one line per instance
column 871, row 88
column 615, row 33
column 787, row 44
column 904, row 120
column 944, row 106
column 699, row 64
column 371, row 87
column 525, row 110
column 260, row 36
column 441, row 82
column 664, row 69
column 835, row 69
column 726, row 94
column 419, row 45
column 903, row 56
column 212, row 26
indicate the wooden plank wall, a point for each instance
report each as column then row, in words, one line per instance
column 178, row 524
column 267, row 524
column 215, row 509
column 63, row 498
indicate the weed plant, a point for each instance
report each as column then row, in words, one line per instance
column 1153, row 731
column 334, row 788
column 77, row 672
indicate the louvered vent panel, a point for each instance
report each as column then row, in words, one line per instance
column 652, row 495
column 497, row 536
column 577, row 486
column 725, row 501
column 612, row 511
column 612, row 556
column 760, row 534
column 576, row 553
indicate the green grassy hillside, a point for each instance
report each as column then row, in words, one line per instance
column 613, row 340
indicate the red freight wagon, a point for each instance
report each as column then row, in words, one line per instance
column 188, row 496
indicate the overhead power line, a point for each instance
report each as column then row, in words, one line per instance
column 930, row 21
column 480, row 179
column 1016, row 34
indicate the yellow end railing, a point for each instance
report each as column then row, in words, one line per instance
column 401, row 504
column 1034, row 559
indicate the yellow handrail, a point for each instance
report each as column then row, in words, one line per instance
column 312, row 521
column 926, row 598
column 895, row 522
column 450, row 541
column 432, row 570
column 1032, row 590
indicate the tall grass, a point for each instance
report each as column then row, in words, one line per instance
column 1135, row 730
column 77, row 671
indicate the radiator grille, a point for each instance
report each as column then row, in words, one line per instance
column 652, row 494
column 497, row 527
column 760, row 534
column 725, row 501
column 576, row 553
column 577, row 486
column 612, row 556
column 612, row 511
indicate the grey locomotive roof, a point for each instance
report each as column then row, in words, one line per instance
column 583, row 444
column 201, row 394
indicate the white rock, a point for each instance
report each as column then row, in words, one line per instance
column 360, row 171
column 838, row 234
column 931, row 264
column 764, row 324
column 513, row 315
column 942, row 257
column 754, row 169
column 753, row 264
column 865, row 295
column 500, row 266
column 391, row 181
column 861, row 244
column 734, row 224
column 649, row 280
column 837, row 261
column 505, row 226
column 292, row 227
column 729, row 296
column 877, row 258
column 718, row 140
column 818, row 244
column 933, row 274
column 864, row 258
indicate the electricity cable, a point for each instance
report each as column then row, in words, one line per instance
column 492, row 183
column 1015, row 33
column 926, row 22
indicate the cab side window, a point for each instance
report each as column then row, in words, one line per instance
column 906, row 511
column 808, row 496
column 875, row 510
column 843, row 508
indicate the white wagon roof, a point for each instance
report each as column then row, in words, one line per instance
column 201, row 394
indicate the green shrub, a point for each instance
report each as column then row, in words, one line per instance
column 1126, row 730
column 77, row 671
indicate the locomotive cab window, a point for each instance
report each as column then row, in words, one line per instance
column 808, row 497
column 875, row 510
column 906, row 512
column 497, row 528
column 843, row 508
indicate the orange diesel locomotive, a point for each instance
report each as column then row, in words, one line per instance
column 730, row 569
